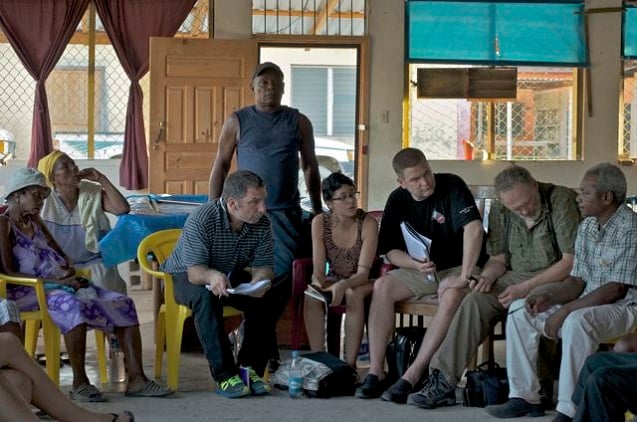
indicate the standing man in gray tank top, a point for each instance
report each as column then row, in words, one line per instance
column 268, row 138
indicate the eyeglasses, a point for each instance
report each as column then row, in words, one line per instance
column 353, row 195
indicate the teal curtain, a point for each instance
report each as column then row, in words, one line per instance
column 630, row 33
column 496, row 32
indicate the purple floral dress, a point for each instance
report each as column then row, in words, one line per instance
column 105, row 311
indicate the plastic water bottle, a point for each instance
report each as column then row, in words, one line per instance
column 362, row 357
column 295, row 380
column 116, row 368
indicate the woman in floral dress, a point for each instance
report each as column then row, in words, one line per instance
column 28, row 249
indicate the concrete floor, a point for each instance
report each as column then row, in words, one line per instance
column 196, row 400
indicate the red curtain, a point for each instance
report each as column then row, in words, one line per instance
column 38, row 31
column 129, row 25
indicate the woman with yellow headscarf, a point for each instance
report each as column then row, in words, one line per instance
column 75, row 214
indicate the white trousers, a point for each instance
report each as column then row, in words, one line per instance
column 582, row 332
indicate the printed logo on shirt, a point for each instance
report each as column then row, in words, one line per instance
column 466, row 210
column 438, row 217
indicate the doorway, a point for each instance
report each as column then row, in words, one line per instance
column 323, row 83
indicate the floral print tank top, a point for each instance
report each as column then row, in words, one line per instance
column 343, row 262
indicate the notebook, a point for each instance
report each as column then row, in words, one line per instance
column 322, row 295
column 418, row 246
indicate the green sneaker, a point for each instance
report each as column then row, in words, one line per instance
column 233, row 388
column 258, row 387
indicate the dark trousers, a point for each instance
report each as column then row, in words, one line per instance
column 207, row 312
column 291, row 241
column 607, row 387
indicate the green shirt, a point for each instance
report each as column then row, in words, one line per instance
column 532, row 249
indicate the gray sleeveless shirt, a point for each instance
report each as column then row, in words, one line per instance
column 269, row 146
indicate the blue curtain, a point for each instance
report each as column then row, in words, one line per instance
column 496, row 32
column 630, row 33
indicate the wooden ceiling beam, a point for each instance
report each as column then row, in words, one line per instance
column 320, row 21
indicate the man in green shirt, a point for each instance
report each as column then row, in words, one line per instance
column 532, row 232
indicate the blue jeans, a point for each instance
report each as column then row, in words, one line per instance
column 607, row 387
column 207, row 313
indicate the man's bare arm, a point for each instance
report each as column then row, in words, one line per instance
column 471, row 246
column 608, row 293
column 262, row 273
column 223, row 159
column 547, row 295
column 309, row 164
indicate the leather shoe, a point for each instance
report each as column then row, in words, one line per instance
column 515, row 408
column 371, row 388
column 561, row 417
column 398, row 392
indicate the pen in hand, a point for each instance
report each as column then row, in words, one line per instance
column 227, row 285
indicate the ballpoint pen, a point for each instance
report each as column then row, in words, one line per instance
column 209, row 287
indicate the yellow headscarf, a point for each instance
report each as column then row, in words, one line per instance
column 45, row 165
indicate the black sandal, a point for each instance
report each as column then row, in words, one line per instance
column 130, row 415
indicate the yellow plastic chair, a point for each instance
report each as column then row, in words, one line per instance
column 169, row 327
column 33, row 320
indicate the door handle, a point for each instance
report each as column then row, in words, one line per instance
column 160, row 135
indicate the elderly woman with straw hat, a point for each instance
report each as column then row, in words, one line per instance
column 75, row 214
column 74, row 304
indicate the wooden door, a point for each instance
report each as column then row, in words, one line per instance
column 194, row 86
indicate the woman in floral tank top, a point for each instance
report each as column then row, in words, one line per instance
column 343, row 241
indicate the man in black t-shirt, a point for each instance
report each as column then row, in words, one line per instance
column 441, row 208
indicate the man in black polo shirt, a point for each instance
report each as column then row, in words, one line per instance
column 218, row 242
column 440, row 207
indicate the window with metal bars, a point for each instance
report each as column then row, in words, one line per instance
column 310, row 17
column 538, row 125
column 628, row 136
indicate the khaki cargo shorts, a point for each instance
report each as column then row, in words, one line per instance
column 418, row 283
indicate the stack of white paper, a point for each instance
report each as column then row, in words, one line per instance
column 418, row 246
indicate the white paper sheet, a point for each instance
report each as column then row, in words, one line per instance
column 249, row 288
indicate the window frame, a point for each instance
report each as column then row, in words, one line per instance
column 489, row 152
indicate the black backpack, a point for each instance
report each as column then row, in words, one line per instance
column 402, row 350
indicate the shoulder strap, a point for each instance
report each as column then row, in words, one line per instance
column 507, row 229
column 546, row 197
column 549, row 216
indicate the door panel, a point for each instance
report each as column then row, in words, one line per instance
column 195, row 86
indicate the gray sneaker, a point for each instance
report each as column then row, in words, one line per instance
column 436, row 392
